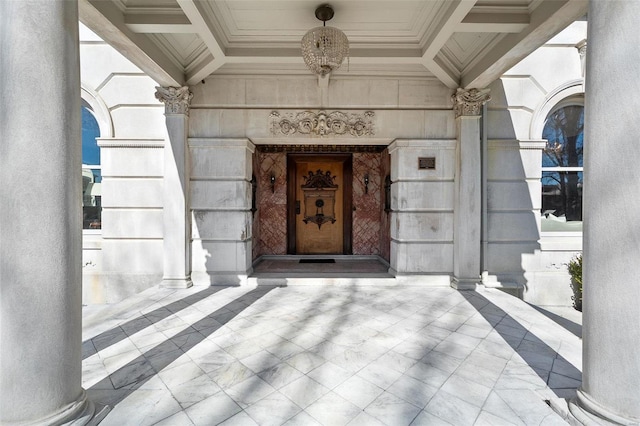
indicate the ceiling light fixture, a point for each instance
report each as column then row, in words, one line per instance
column 324, row 48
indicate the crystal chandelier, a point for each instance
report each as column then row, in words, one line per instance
column 324, row 48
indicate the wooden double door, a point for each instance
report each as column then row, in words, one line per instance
column 319, row 203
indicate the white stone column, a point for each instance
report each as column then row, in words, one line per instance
column 611, row 292
column 40, row 215
column 177, row 227
column 468, row 187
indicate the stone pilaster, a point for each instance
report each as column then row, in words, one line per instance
column 177, row 226
column 611, row 292
column 582, row 51
column 467, row 105
column 40, row 215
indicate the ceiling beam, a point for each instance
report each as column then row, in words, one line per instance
column 194, row 11
column 107, row 21
column 494, row 23
column 454, row 15
column 548, row 19
column 158, row 23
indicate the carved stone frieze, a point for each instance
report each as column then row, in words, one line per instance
column 322, row 123
column 469, row 102
column 176, row 100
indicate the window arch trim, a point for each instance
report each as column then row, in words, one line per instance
column 100, row 111
column 567, row 94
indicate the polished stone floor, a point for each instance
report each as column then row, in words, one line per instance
column 329, row 355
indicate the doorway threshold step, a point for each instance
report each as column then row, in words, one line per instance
column 315, row 280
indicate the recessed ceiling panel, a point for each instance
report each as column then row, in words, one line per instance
column 183, row 49
column 244, row 22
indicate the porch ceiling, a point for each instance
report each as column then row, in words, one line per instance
column 464, row 43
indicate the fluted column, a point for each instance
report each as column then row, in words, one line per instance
column 468, row 187
column 40, row 215
column 610, row 388
column 177, row 228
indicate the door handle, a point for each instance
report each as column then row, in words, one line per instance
column 297, row 206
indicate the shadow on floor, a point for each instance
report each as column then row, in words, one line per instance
column 122, row 331
column 558, row 373
column 137, row 372
column 563, row 322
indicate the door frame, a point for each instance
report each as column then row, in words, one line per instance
column 347, row 196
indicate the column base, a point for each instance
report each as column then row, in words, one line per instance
column 176, row 282
column 82, row 412
column 464, row 283
column 588, row 412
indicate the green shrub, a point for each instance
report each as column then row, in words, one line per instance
column 575, row 269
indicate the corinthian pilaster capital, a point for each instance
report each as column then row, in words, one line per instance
column 176, row 100
column 582, row 48
column 469, row 102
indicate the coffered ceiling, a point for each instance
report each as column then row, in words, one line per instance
column 464, row 43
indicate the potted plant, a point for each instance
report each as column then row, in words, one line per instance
column 575, row 270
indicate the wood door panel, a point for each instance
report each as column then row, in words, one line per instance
column 309, row 238
column 328, row 237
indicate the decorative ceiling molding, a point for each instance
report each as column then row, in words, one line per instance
column 320, row 124
column 263, row 36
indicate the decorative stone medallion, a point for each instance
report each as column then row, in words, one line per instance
column 321, row 124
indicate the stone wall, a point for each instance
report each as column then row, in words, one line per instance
column 518, row 252
column 125, row 257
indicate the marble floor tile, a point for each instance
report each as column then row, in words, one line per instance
column 194, row 391
column 427, row 419
column 213, row 360
column 392, row 411
column 365, row 419
column 324, row 354
column 284, row 349
column 178, row 419
column 179, row 375
column 240, row 419
column 280, row 375
column 260, row 361
column 213, row 410
column 273, row 410
column 499, row 408
column 378, row 374
column 305, row 361
column 302, row 419
column 249, row 391
column 329, row 374
column 333, row 410
column 359, row 391
column 304, row 391
column 452, row 409
column 412, row 390
column 230, row 374
column 143, row 407
column 466, row 390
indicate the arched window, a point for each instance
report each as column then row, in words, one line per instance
column 91, row 171
column 562, row 172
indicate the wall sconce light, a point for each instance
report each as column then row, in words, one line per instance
column 366, row 184
column 273, row 183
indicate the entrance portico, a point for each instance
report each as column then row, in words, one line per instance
column 43, row 321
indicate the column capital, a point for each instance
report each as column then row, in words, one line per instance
column 582, row 48
column 176, row 100
column 469, row 102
